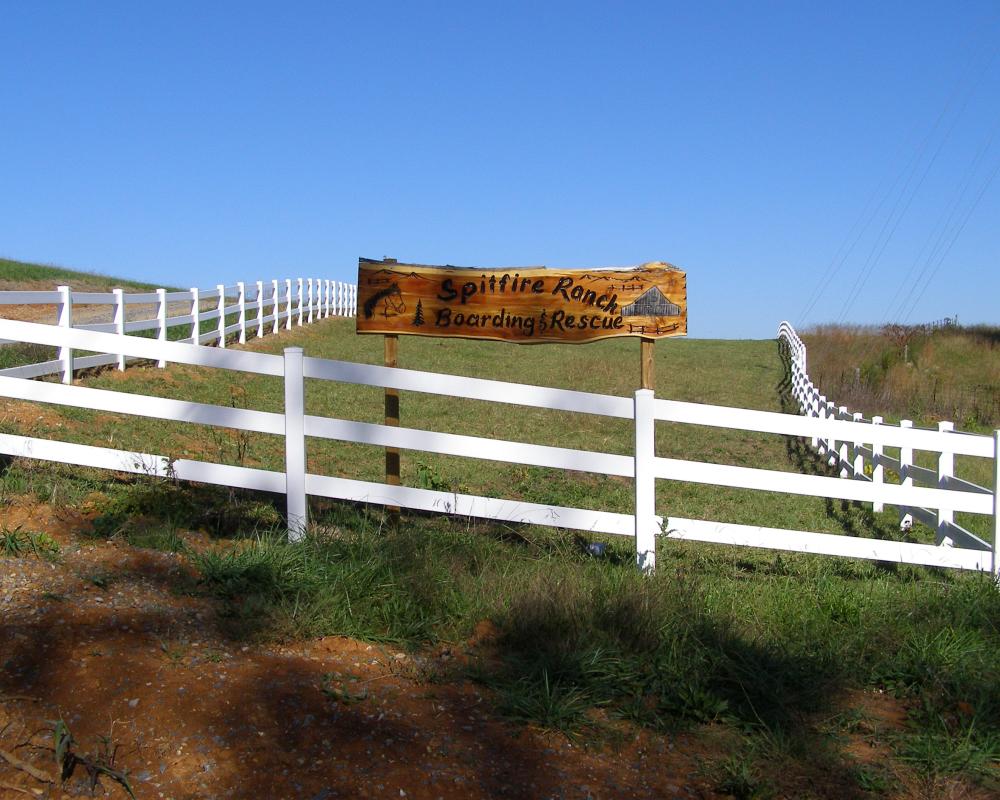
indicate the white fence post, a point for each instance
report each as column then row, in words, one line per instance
column 295, row 444
column 946, row 469
column 288, row 302
column 821, row 443
column 310, row 299
column 260, row 309
column 996, row 507
column 844, row 455
column 64, row 319
column 645, row 481
column 326, row 298
column 338, row 303
column 161, row 321
column 299, row 306
column 222, row 314
column 814, row 410
column 119, row 321
column 831, row 413
column 195, row 315
column 242, row 301
column 878, row 469
column 905, row 479
column 276, row 306
column 859, row 457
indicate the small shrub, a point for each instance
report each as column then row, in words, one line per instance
column 18, row 543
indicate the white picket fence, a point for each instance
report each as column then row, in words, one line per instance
column 643, row 466
column 273, row 304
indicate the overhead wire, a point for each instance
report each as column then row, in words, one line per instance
column 895, row 215
column 939, row 232
column 844, row 251
column 879, row 247
column 968, row 215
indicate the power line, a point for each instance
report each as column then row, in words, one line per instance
column 986, row 184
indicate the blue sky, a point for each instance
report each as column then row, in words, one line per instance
column 800, row 160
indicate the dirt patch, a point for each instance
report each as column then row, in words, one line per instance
column 111, row 641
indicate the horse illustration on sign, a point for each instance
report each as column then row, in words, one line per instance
column 392, row 302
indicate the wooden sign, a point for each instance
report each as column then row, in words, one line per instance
column 525, row 305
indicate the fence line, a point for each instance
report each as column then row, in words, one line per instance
column 305, row 300
column 861, row 456
column 948, row 494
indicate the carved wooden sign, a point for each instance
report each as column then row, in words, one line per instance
column 523, row 305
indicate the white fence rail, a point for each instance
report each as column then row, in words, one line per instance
column 259, row 308
column 643, row 466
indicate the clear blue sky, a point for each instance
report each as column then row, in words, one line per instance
column 195, row 143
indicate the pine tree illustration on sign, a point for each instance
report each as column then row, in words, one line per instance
column 418, row 317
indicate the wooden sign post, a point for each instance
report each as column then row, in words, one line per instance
column 647, row 366
column 391, row 359
column 392, row 416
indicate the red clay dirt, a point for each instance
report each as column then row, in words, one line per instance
column 104, row 641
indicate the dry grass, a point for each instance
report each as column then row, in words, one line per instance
column 927, row 375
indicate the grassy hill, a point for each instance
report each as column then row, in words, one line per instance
column 784, row 655
column 23, row 275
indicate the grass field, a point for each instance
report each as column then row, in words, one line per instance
column 25, row 275
column 780, row 653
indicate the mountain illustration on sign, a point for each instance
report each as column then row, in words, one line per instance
column 391, row 299
column 418, row 316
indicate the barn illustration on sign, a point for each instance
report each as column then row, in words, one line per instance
column 651, row 303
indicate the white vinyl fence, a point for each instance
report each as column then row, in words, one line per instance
column 260, row 308
column 862, row 457
column 642, row 465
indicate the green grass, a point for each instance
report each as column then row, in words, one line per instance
column 25, row 271
column 758, row 644
column 19, row 543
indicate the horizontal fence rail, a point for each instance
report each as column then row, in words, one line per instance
column 945, row 495
column 241, row 311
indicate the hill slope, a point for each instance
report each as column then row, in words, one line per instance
column 23, row 275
